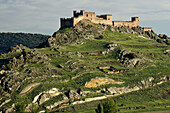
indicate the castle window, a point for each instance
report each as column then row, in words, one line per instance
column 91, row 15
column 87, row 15
column 108, row 18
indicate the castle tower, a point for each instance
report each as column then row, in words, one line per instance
column 135, row 20
column 82, row 12
column 74, row 13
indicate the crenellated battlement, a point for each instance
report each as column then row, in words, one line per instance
column 99, row 19
column 133, row 23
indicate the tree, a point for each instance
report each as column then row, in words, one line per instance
column 99, row 108
column 109, row 106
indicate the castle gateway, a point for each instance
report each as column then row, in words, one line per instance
column 99, row 19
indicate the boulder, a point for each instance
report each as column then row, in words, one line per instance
column 71, row 94
column 43, row 97
column 85, row 93
column 111, row 90
column 129, row 59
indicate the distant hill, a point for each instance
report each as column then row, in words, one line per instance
column 27, row 39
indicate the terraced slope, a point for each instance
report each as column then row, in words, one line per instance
column 126, row 59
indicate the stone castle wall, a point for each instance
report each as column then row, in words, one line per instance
column 133, row 23
column 147, row 28
column 66, row 22
column 101, row 19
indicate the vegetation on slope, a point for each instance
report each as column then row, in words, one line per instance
column 8, row 40
column 68, row 66
column 151, row 99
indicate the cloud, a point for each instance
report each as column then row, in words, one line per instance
column 42, row 16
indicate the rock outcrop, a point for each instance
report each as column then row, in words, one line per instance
column 71, row 94
column 83, row 30
column 18, row 48
column 46, row 95
column 95, row 82
column 129, row 59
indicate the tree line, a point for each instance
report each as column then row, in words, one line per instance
column 8, row 40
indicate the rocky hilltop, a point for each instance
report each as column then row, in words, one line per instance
column 83, row 64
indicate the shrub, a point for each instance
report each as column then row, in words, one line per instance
column 20, row 107
column 116, row 52
column 159, row 40
column 109, row 106
column 24, row 52
column 131, row 55
column 99, row 108
column 9, row 66
column 100, row 37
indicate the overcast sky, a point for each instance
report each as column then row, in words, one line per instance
column 43, row 16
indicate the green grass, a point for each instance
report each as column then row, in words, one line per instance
column 53, row 100
column 147, row 49
column 151, row 98
column 156, row 67
column 65, row 30
column 85, row 110
column 88, row 46
column 47, row 51
column 59, row 60
column 130, row 41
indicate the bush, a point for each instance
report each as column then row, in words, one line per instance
column 100, row 37
column 99, row 108
column 24, row 52
column 116, row 52
column 20, row 107
column 109, row 106
column 131, row 55
column 159, row 40
column 9, row 66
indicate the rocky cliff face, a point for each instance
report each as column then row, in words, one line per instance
column 83, row 30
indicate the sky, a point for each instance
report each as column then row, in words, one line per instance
column 43, row 16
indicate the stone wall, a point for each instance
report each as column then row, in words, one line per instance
column 133, row 23
column 78, row 16
column 66, row 22
column 100, row 19
column 147, row 29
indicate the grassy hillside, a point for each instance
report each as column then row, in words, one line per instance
column 8, row 40
column 75, row 57
column 151, row 99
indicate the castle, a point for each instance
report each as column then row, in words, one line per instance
column 99, row 19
